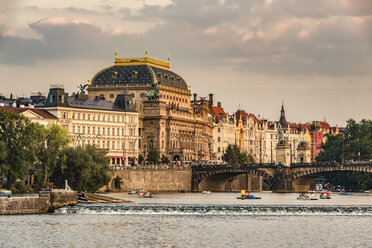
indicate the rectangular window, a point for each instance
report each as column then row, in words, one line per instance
column 219, row 139
column 98, row 130
column 93, row 130
column 88, row 130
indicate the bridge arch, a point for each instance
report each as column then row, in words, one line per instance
column 219, row 179
column 305, row 172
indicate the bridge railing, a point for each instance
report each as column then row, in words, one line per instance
column 242, row 166
column 333, row 164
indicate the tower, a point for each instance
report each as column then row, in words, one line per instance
column 282, row 120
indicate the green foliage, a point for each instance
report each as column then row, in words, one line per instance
column 118, row 182
column 140, row 159
column 153, row 156
column 332, row 149
column 19, row 142
column 233, row 155
column 85, row 168
column 355, row 144
column 20, row 187
column 164, row 159
column 56, row 139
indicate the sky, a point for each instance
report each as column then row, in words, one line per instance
column 315, row 56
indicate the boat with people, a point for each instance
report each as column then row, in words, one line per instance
column 325, row 195
column 4, row 192
column 247, row 196
column 304, row 196
column 147, row 195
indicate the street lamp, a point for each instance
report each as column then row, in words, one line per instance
column 181, row 149
column 209, row 145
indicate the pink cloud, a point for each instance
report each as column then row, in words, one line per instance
column 62, row 21
column 9, row 32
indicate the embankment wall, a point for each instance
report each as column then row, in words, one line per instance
column 39, row 204
column 180, row 179
column 155, row 180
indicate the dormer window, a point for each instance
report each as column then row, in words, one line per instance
column 114, row 74
column 159, row 75
column 134, row 74
column 172, row 77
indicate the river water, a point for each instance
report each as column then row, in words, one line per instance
column 197, row 220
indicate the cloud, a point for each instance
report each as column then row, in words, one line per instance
column 331, row 38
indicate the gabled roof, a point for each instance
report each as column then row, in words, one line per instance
column 324, row 125
column 40, row 112
column 217, row 112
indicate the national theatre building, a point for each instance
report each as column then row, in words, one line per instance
column 168, row 120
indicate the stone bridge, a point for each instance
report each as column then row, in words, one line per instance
column 295, row 178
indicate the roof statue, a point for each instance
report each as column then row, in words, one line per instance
column 82, row 88
column 154, row 93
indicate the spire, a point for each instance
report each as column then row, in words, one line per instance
column 116, row 53
column 283, row 121
column 168, row 57
column 146, row 51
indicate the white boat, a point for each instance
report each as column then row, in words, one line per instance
column 5, row 192
column 307, row 197
column 206, row 192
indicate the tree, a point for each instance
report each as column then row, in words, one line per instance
column 86, row 168
column 354, row 144
column 140, row 159
column 20, row 141
column 118, row 182
column 332, row 150
column 164, row 159
column 56, row 139
column 153, row 156
column 233, row 155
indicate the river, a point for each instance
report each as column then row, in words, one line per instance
column 198, row 220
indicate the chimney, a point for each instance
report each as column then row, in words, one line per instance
column 211, row 99
column 219, row 104
column 195, row 98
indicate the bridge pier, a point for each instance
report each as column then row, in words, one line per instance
column 289, row 185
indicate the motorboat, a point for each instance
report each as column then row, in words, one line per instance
column 4, row 192
column 248, row 197
column 132, row 192
column 307, row 197
column 325, row 195
column 206, row 192
column 147, row 195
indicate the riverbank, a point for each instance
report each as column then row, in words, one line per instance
column 45, row 202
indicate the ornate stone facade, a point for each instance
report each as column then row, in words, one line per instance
column 168, row 122
column 113, row 127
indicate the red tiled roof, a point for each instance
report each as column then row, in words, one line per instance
column 324, row 125
column 217, row 112
column 41, row 112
